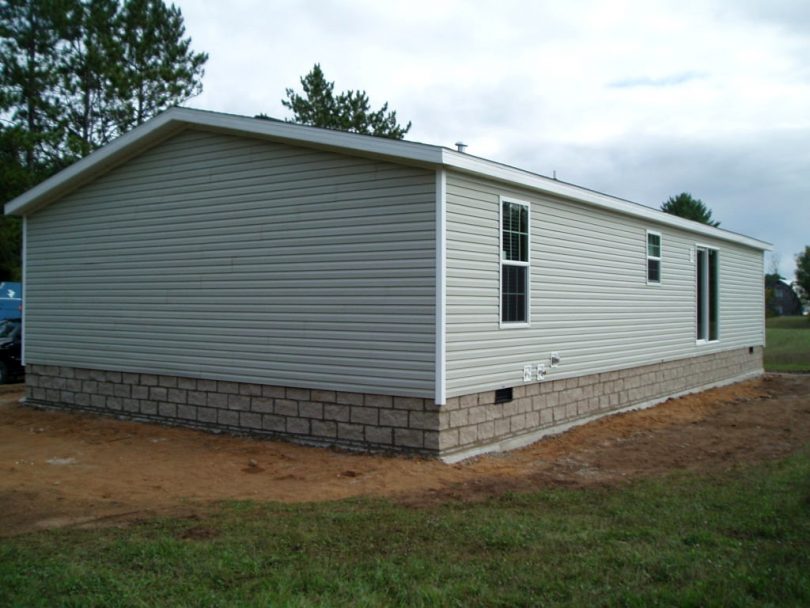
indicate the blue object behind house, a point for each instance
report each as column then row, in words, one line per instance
column 10, row 300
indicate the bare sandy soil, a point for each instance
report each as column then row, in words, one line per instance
column 71, row 469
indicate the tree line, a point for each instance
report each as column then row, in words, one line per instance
column 76, row 74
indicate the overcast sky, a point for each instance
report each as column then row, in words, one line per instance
column 638, row 99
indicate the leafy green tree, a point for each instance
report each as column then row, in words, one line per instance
column 319, row 106
column 803, row 273
column 684, row 205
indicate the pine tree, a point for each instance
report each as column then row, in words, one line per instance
column 31, row 55
column 158, row 69
column 348, row 111
column 15, row 177
column 75, row 74
column 684, row 205
column 78, row 73
column 90, row 104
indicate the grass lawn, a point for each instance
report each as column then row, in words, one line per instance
column 740, row 538
column 788, row 348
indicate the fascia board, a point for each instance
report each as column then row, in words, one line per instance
column 176, row 119
column 512, row 175
column 94, row 164
column 325, row 138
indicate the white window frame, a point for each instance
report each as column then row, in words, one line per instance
column 652, row 257
column 527, row 264
column 707, row 302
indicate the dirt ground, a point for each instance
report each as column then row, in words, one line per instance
column 62, row 469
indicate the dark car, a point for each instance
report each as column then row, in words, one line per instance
column 10, row 349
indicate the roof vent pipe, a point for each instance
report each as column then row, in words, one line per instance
column 461, row 146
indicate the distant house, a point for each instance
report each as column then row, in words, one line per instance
column 221, row 271
column 781, row 300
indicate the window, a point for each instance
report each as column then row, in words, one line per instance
column 653, row 258
column 514, row 262
column 707, row 294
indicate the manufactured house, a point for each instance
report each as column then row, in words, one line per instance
column 781, row 298
column 257, row 276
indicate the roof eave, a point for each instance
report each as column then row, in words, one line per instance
column 94, row 164
column 176, row 119
column 504, row 173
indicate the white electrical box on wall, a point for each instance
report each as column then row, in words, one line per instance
column 541, row 371
column 527, row 373
column 555, row 359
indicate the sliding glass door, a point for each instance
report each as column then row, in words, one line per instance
column 707, row 308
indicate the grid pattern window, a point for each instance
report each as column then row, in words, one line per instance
column 653, row 258
column 515, row 243
column 708, row 284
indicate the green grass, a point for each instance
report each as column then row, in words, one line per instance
column 788, row 348
column 740, row 538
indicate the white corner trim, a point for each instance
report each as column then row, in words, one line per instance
column 763, row 330
column 514, row 443
column 24, row 284
column 441, row 288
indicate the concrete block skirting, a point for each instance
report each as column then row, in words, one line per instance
column 466, row 426
column 475, row 424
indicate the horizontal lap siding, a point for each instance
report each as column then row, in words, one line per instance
column 589, row 297
column 237, row 259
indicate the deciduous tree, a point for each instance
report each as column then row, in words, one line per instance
column 803, row 273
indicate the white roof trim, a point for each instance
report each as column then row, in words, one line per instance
column 519, row 177
column 176, row 119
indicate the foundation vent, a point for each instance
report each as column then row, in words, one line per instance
column 502, row 395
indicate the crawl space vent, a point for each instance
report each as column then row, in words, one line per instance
column 502, row 395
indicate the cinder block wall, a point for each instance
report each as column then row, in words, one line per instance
column 475, row 421
column 466, row 424
column 352, row 420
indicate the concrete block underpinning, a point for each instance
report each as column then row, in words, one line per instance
column 466, row 426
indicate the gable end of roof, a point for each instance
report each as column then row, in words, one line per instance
column 177, row 119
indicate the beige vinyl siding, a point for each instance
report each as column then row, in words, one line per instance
column 239, row 259
column 590, row 300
